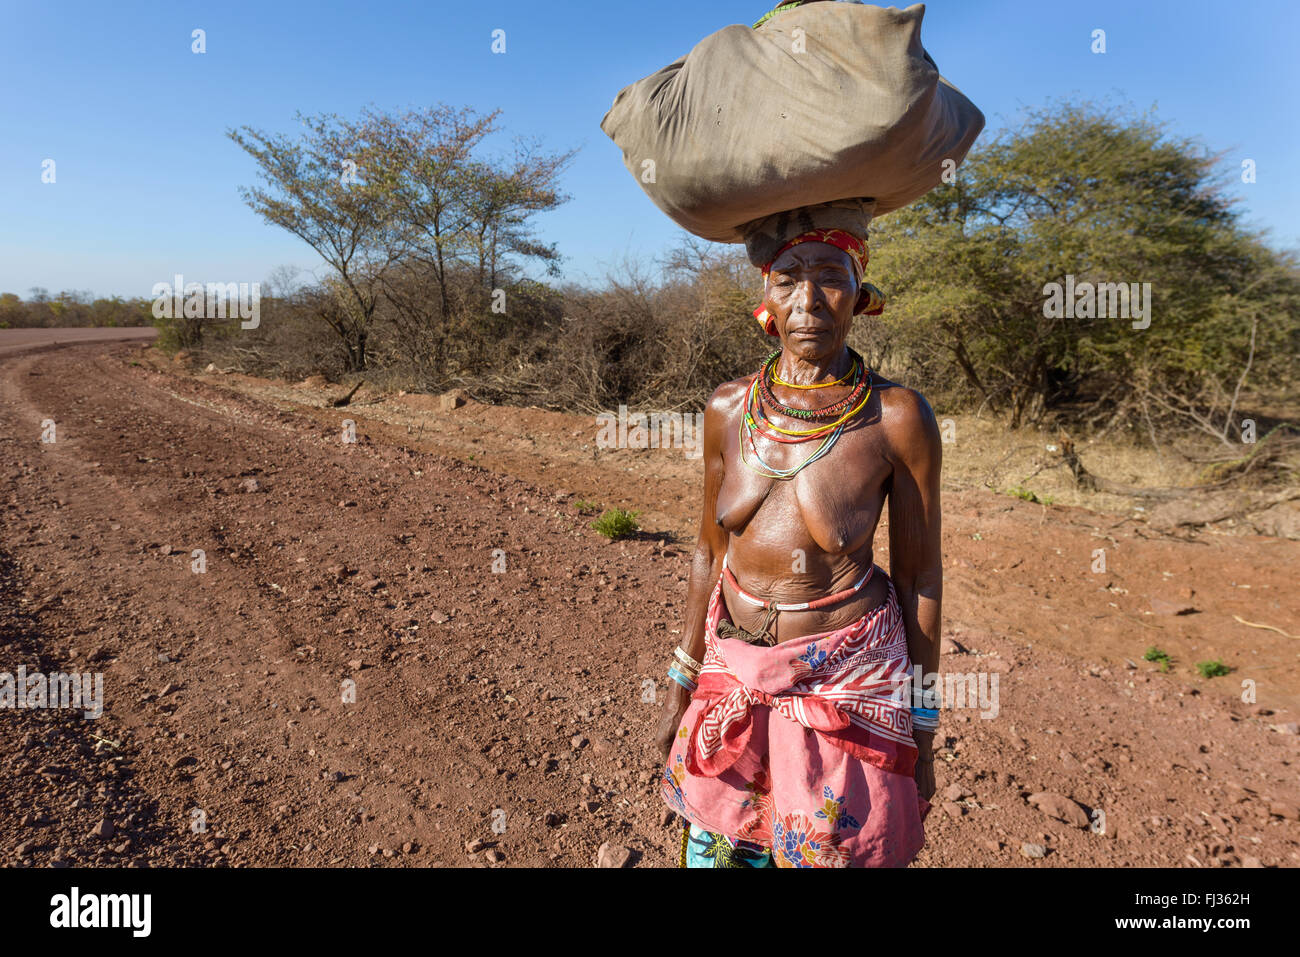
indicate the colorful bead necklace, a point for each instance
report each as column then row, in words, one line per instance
column 777, row 380
column 826, row 412
column 755, row 420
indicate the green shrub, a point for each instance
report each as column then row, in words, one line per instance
column 1155, row 654
column 616, row 523
column 1212, row 669
column 1028, row 496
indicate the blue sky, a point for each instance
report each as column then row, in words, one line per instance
column 146, row 181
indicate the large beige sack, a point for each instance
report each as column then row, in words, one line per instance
column 824, row 102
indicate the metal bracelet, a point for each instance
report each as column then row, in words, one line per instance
column 687, row 660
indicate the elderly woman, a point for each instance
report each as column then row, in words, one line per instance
column 787, row 736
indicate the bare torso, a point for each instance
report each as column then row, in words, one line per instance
column 809, row 536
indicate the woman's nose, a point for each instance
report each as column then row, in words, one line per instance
column 805, row 295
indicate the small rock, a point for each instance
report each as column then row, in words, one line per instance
column 1060, row 807
column 453, row 399
column 1291, row 727
column 1162, row 607
column 1033, row 851
column 250, row 485
column 439, row 617
column 955, row 792
column 613, row 855
column 950, row 647
column 953, row 810
column 25, row 848
column 494, row 856
column 475, row 845
column 993, row 846
column 103, row 830
column 577, row 741
column 1285, row 810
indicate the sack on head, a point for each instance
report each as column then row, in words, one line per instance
column 820, row 103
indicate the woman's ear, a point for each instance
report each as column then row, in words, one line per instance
column 864, row 298
column 768, row 313
column 871, row 301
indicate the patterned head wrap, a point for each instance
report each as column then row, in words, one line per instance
column 871, row 301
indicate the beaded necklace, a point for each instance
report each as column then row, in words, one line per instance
column 772, row 472
column 777, row 380
column 754, row 412
column 826, row 412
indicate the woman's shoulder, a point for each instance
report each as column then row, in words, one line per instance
column 899, row 400
column 903, row 410
column 729, row 397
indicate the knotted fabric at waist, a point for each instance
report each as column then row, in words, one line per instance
column 842, row 684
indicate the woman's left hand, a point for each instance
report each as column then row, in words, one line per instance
column 925, row 778
column 924, row 764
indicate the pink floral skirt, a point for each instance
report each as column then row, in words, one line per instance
column 806, row 747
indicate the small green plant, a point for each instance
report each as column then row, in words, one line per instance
column 1023, row 493
column 1212, row 669
column 1155, row 654
column 616, row 523
column 582, row 505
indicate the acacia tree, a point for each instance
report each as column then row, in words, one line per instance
column 325, row 188
column 460, row 214
column 404, row 210
column 1104, row 197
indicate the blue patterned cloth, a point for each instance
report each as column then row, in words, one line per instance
column 705, row 849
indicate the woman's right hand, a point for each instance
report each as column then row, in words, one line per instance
column 676, row 702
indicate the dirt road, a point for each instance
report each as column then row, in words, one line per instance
column 384, row 652
column 25, row 340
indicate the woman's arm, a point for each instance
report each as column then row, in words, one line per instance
column 706, row 565
column 915, row 553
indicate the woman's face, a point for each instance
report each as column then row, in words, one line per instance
column 811, row 291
